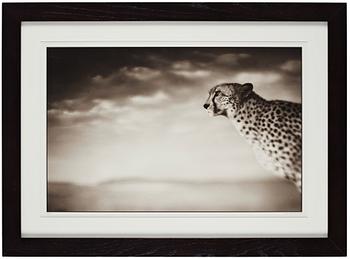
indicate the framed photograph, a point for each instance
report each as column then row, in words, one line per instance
column 174, row 129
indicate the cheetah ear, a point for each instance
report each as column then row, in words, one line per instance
column 246, row 89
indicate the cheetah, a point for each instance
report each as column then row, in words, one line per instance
column 272, row 128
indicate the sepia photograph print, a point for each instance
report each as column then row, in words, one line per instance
column 174, row 129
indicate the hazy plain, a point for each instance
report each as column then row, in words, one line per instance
column 153, row 195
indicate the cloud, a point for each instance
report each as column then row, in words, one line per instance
column 156, row 98
column 182, row 65
column 189, row 70
column 127, row 73
column 73, row 72
column 116, row 74
column 292, row 66
column 140, row 73
column 262, row 78
column 192, row 74
column 64, row 118
column 231, row 59
column 97, row 79
column 171, row 80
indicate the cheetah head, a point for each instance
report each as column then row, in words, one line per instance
column 227, row 96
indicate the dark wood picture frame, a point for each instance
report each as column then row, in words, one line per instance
column 333, row 14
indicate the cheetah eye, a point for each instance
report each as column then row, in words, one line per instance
column 221, row 94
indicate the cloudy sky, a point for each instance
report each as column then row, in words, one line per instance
column 136, row 113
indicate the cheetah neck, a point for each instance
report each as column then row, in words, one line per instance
column 245, row 119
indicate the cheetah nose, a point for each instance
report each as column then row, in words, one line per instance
column 206, row 105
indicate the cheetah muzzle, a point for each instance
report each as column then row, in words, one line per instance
column 272, row 128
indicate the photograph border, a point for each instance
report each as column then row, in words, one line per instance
column 333, row 14
column 163, row 211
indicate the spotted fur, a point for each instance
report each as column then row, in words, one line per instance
column 272, row 128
